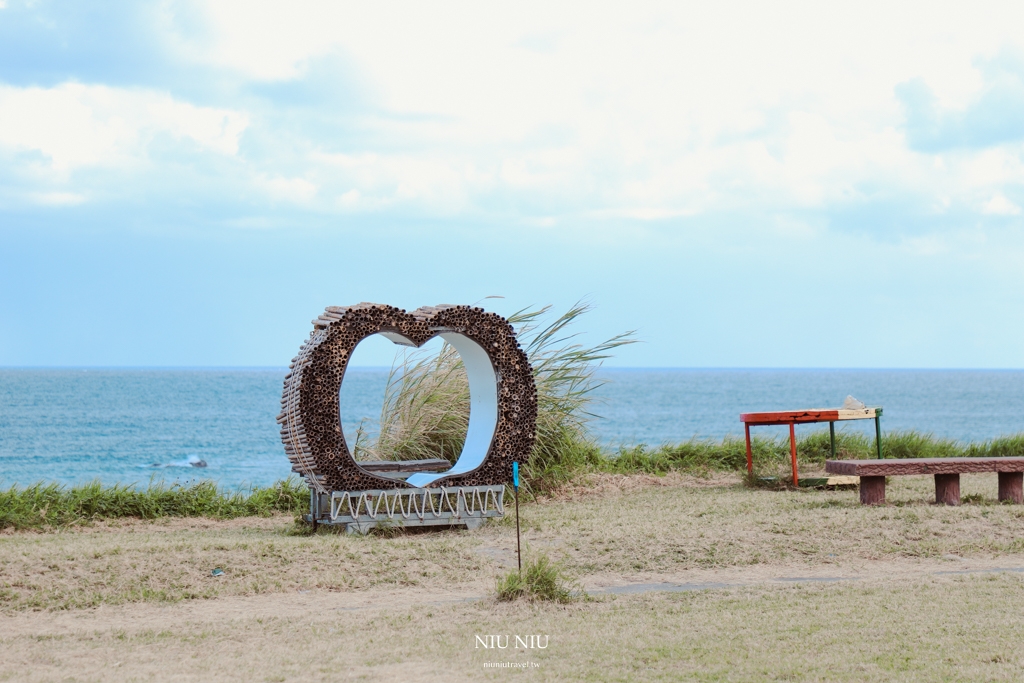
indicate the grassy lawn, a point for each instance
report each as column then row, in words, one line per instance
column 625, row 526
column 666, row 528
column 140, row 594
column 943, row 629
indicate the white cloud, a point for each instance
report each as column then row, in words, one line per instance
column 298, row 190
column 999, row 205
column 75, row 125
column 931, row 245
column 57, row 198
column 350, row 199
column 648, row 112
column 653, row 110
column 374, row 181
column 543, row 222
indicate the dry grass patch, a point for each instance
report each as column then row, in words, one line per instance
column 130, row 525
column 601, row 484
column 667, row 529
column 168, row 562
column 938, row 628
column 626, row 528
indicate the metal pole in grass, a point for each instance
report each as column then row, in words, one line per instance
column 878, row 432
column 515, row 486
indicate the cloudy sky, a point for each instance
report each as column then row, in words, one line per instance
column 746, row 184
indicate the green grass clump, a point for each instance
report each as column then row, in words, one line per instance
column 771, row 455
column 695, row 455
column 54, row 505
column 1004, row 446
column 539, row 580
column 703, row 456
column 912, row 444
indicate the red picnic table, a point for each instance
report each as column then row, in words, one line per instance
column 794, row 417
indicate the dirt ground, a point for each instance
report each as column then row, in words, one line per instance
column 698, row 579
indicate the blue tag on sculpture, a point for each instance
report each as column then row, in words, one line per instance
column 515, row 474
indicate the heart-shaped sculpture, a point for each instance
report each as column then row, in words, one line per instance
column 503, row 397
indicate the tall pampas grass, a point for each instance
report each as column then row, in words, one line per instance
column 426, row 404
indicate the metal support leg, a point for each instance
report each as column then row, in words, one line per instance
column 792, row 452
column 314, row 508
column 832, row 438
column 878, row 436
column 750, row 453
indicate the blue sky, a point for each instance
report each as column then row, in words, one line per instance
column 747, row 185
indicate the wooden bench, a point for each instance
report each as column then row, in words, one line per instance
column 407, row 467
column 947, row 473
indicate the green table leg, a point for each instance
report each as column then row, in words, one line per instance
column 878, row 436
column 832, row 438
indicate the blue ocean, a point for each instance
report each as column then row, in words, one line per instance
column 134, row 425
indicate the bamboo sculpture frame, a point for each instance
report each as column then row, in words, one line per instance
column 503, row 397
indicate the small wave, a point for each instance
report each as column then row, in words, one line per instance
column 190, row 461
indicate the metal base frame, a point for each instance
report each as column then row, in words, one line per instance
column 360, row 511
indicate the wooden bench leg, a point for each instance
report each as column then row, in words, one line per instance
column 872, row 490
column 947, row 489
column 1011, row 487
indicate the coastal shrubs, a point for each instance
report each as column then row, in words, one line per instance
column 540, row 580
column 771, row 454
column 1003, row 447
column 53, row 505
column 696, row 455
column 564, row 457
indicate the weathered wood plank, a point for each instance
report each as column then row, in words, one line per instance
column 808, row 415
column 429, row 465
column 860, row 414
column 788, row 416
column 815, row 482
column 896, row 467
